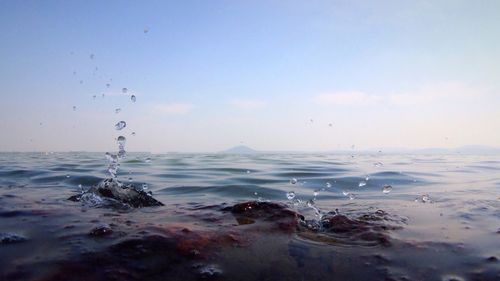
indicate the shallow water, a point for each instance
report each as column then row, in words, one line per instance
column 454, row 236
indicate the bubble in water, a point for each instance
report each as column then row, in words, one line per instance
column 362, row 183
column 293, row 181
column 124, row 90
column 386, row 189
column 121, row 140
column 74, row 108
column 328, row 184
column 133, row 133
column 120, row 125
column 133, row 98
column 290, row 195
column 118, row 110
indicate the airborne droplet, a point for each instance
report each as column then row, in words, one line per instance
column 124, row 90
column 133, row 98
column 121, row 140
column 120, row 125
column 293, row 181
column 133, row 134
column 386, row 189
column 118, row 110
column 362, row 183
column 74, row 108
column 290, row 195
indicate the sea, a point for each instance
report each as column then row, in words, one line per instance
column 282, row 216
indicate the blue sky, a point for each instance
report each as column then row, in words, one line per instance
column 212, row 74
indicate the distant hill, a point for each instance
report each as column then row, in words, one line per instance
column 240, row 149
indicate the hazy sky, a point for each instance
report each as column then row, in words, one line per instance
column 209, row 75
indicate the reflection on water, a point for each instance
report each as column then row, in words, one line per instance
column 306, row 217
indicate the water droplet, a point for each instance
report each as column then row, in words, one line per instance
column 328, row 184
column 74, row 72
column 378, row 164
column 352, row 196
column 133, row 134
column 293, row 181
column 67, row 176
column 130, row 179
column 91, row 56
column 315, row 193
column 124, row 90
column 330, row 125
column 255, row 193
column 133, row 98
column 345, row 193
column 362, row 183
column 290, row 195
column 248, row 171
column 79, row 186
column 74, row 108
column 121, row 140
column 118, row 110
column 120, row 125
column 146, row 30
column 94, row 96
column 108, row 85
column 386, row 189
column 367, row 178
column 310, row 203
column 423, row 199
column 147, row 160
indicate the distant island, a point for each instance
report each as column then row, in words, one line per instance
column 240, row 149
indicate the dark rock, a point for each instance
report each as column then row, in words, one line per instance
column 115, row 192
column 100, row 231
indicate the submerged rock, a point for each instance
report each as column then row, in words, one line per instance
column 113, row 191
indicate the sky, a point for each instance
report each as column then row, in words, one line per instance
column 271, row 75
